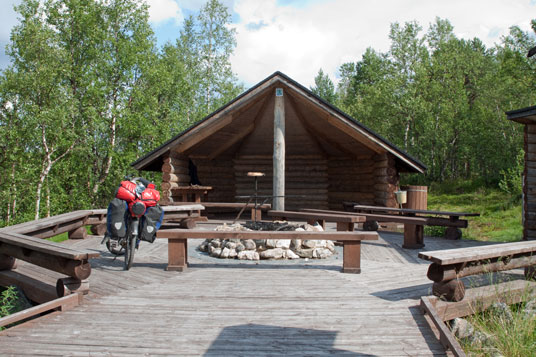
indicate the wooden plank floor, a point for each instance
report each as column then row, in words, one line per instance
column 227, row 308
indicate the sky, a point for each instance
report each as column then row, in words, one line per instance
column 299, row 37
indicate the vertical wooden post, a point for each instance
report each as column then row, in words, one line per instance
column 279, row 151
column 177, row 254
column 351, row 262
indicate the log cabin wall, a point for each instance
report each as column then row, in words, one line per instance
column 351, row 180
column 529, row 183
column 174, row 173
column 386, row 180
column 305, row 177
column 218, row 174
column 245, row 185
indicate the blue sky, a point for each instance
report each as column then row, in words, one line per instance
column 298, row 37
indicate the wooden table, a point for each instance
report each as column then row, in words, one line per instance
column 192, row 193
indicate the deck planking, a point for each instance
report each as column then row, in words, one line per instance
column 220, row 308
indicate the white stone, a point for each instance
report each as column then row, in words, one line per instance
column 216, row 252
column 270, row 243
column 230, row 245
column 216, row 243
column 300, row 229
column 249, row 244
column 321, row 253
column 240, row 247
column 282, row 243
column 276, row 253
column 233, row 254
column 461, row 328
column 203, row 247
column 309, row 243
column 296, row 244
column 318, row 228
column 289, row 254
column 248, row 255
column 305, row 253
column 320, row 244
column 330, row 245
column 225, row 253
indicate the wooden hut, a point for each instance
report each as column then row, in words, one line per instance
column 527, row 116
column 323, row 156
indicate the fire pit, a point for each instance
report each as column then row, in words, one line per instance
column 268, row 248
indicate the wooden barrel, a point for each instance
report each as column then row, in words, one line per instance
column 417, row 197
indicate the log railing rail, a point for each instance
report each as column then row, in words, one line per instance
column 26, row 242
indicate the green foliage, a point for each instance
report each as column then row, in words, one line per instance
column 324, row 87
column 88, row 92
column 500, row 213
column 511, row 178
column 8, row 301
column 443, row 99
column 506, row 337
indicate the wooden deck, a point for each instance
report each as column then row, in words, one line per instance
column 220, row 308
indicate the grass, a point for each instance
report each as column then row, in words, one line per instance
column 500, row 221
column 515, row 336
column 65, row 236
column 500, row 213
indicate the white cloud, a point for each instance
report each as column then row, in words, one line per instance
column 300, row 40
column 164, row 10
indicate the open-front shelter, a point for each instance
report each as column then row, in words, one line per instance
column 322, row 156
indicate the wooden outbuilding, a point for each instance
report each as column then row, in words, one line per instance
column 310, row 152
column 527, row 116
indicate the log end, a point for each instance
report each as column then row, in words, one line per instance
column 453, row 233
column 188, row 223
column 66, row 286
column 452, row 290
column 79, row 233
column 7, row 262
column 98, row 229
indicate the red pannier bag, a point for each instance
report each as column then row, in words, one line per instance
column 150, row 196
column 126, row 191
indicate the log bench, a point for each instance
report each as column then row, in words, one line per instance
column 185, row 214
column 448, row 266
column 178, row 243
column 448, row 219
column 51, row 226
column 344, row 222
column 413, row 225
column 53, row 256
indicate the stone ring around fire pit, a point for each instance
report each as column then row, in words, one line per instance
column 256, row 249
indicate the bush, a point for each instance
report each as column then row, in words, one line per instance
column 8, row 301
column 511, row 179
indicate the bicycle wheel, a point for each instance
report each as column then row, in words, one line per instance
column 129, row 251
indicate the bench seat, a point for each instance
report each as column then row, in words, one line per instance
column 49, row 255
column 178, row 240
column 448, row 266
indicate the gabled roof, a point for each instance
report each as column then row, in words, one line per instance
column 224, row 116
column 524, row 115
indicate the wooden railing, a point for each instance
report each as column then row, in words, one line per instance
column 26, row 242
